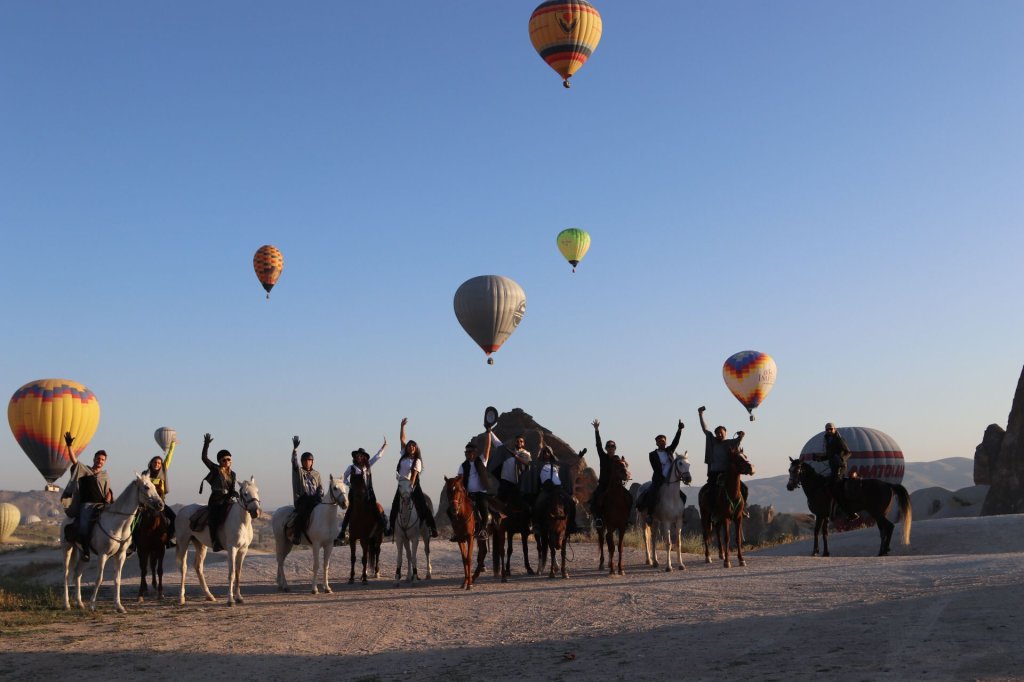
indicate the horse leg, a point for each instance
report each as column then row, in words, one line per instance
column 724, row 545
column 467, row 561
column 565, row 572
column 679, row 545
column 200, row 561
column 143, row 560
column 622, row 536
column 554, row 560
column 69, row 552
column 239, row 561
column 525, row 534
column 885, row 529
column 316, row 567
column 650, row 553
column 817, row 528
column 481, row 556
column 99, row 582
column 158, row 569
column 497, row 556
column 181, row 557
column 399, row 542
column 824, row 536
column 232, row 551
column 352, row 546
column 328, row 551
column 739, row 538
column 414, row 548
column 365, row 546
column 602, row 538
column 117, row 583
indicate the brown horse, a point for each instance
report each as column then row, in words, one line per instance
column 724, row 504
column 150, row 537
column 366, row 526
column 615, row 507
column 460, row 511
column 551, row 535
column 510, row 519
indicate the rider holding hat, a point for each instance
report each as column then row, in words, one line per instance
column 360, row 466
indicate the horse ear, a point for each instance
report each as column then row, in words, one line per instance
column 252, row 479
column 332, row 478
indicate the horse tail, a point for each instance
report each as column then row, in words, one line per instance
column 906, row 511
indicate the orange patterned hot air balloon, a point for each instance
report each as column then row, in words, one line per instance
column 565, row 33
column 268, row 264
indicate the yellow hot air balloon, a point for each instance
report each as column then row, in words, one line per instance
column 573, row 243
column 565, row 33
column 10, row 517
column 41, row 412
column 268, row 264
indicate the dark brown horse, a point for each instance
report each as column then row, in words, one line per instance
column 869, row 494
column 460, row 511
column 511, row 519
column 150, row 537
column 551, row 534
column 365, row 526
column 615, row 507
column 723, row 504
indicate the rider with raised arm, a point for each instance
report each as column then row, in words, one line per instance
column 716, row 454
column 360, row 467
column 157, row 471
column 516, row 463
column 478, row 484
column 410, row 466
column 307, row 490
column 604, row 455
column 661, row 462
column 837, row 453
column 222, row 489
column 88, row 488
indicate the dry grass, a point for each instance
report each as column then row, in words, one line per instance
column 26, row 605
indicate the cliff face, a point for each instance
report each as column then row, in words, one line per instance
column 1002, row 461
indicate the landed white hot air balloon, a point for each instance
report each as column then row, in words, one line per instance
column 489, row 308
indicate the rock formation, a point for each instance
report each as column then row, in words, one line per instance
column 1004, row 470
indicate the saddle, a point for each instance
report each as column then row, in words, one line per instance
column 200, row 519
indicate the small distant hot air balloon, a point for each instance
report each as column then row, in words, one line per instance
column 565, row 33
column 40, row 412
column 164, row 436
column 573, row 243
column 268, row 264
column 489, row 308
column 750, row 375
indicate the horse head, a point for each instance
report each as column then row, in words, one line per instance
column 404, row 488
column 337, row 492
column 795, row 465
column 148, row 497
column 249, row 495
column 620, row 470
column 738, row 459
column 681, row 469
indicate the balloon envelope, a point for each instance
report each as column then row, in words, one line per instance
column 268, row 264
column 873, row 454
column 10, row 517
column 565, row 33
column 573, row 243
column 489, row 308
column 40, row 412
column 164, row 436
column 750, row 375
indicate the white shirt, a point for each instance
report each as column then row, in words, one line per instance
column 353, row 469
column 407, row 465
column 666, row 462
column 473, row 485
column 549, row 472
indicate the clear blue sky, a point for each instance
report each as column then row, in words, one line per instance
column 840, row 185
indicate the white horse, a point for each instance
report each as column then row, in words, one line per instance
column 668, row 515
column 235, row 535
column 324, row 524
column 111, row 533
column 409, row 530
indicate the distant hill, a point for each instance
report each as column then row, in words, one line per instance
column 952, row 473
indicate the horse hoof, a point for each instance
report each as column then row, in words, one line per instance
column 140, row 599
column 504, row 579
column 707, row 560
column 743, row 562
column 815, row 553
column 211, row 598
column 826, row 554
column 314, row 591
column 668, row 569
column 621, row 572
column 565, row 576
column 351, row 581
column 655, row 564
column 398, row 584
column 328, row 590
column 728, row 564
column 230, row 604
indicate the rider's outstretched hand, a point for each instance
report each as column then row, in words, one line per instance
column 295, row 442
column 68, row 438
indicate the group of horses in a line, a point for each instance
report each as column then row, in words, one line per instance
column 720, row 506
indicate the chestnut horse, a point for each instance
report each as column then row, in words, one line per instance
column 511, row 519
column 552, row 536
column 150, row 537
column 366, row 527
column 615, row 507
column 724, row 504
column 460, row 511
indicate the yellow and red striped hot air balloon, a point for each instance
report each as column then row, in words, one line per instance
column 268, row 264
column 41, row 412
column 565, row 33
column 749, row 374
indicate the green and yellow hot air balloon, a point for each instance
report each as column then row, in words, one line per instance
column 573, row 243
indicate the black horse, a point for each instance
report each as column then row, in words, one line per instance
column 870, row 495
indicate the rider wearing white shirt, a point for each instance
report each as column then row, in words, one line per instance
column 360, row 466
column 516, row 463
column 551, row 484
column 410, row 466
column 474, row 476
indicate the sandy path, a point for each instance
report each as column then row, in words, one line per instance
column 934, row 616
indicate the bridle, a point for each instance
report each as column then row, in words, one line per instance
column 342, row 501
column 140, row 503
column 246, row 500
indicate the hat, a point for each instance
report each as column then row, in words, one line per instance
column 307, row 455
column 471, row 445
column 360, row 451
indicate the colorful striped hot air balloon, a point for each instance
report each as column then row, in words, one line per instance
column 489, row 308
column 565, row 33
column 573, row 243
column 268, row 264
column 750, row 375
column 41, row 412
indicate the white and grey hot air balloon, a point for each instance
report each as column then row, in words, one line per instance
column 873, row 454
column 164, row 436
column 489, row 308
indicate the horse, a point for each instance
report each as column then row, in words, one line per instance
column 324, row 523
column 513, row 518
column 365, row 527
column 235, row 534
column 150, row 538
column 667, row 515
column 409, row 530
column 724, row 504
column 460, row 511
column 108, row 537
column 616, row 506
column 551, row 535
column 869, row 494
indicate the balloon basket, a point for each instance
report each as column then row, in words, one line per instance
column 751, row 417
column 51, row 488
column 490, row 361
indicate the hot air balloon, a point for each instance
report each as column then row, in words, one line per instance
column 489, row 308
column 750, row 375
column 40, row 412
column 573, row 243
column 10, row 517
column 268, row 264
column 873, row 454
column 164, row 436
column 565, row 33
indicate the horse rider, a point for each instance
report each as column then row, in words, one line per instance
column 474, row 475
column 716, row 455
column 88, row 490
column 661, row 462
column 157, row 472
column 307, row 490
column 360, row 466
column 222, row 489
column 516, row 463
column 604, row 455
column 410, row 466
column 551, row 484
column 838, row 453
